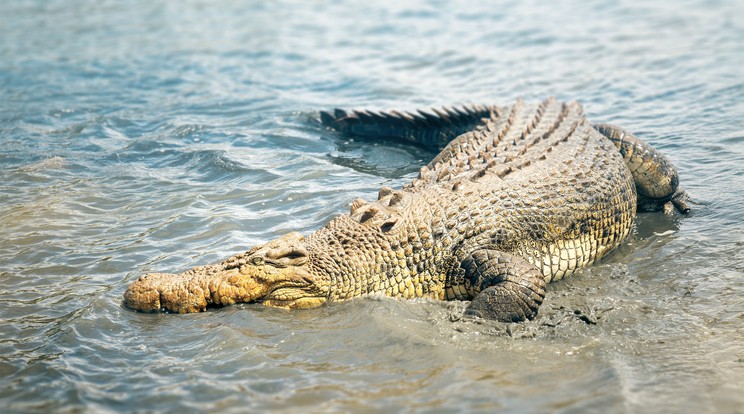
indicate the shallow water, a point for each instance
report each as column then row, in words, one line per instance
column 153, row 135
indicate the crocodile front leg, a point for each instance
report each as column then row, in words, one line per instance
column 510, row 289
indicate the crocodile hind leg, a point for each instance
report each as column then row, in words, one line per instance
column 656, row 179
column 432, row 129
column 510, row 289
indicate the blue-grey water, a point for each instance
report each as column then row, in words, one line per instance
column 153, row 135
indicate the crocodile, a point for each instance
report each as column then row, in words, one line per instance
column 519, row 196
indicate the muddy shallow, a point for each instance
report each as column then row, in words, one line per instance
column 156, row 137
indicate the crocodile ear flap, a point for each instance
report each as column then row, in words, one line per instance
column 288, row 250
column 288, row 256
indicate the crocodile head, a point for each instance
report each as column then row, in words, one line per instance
column 276, row 274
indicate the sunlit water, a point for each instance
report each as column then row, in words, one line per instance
column 154, row 135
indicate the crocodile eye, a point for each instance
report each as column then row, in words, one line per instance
column 257, row 261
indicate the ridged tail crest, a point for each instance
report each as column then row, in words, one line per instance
column 431, row 128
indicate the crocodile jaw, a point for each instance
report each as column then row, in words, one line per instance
column 195, row 290
column 276, row 274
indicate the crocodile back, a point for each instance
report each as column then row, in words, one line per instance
column 537, row 181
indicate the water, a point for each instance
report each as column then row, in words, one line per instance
column 154, row 135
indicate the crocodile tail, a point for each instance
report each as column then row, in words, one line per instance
column 656, row 179
column 431, row 128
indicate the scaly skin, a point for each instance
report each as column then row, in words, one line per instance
column 526, row 196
